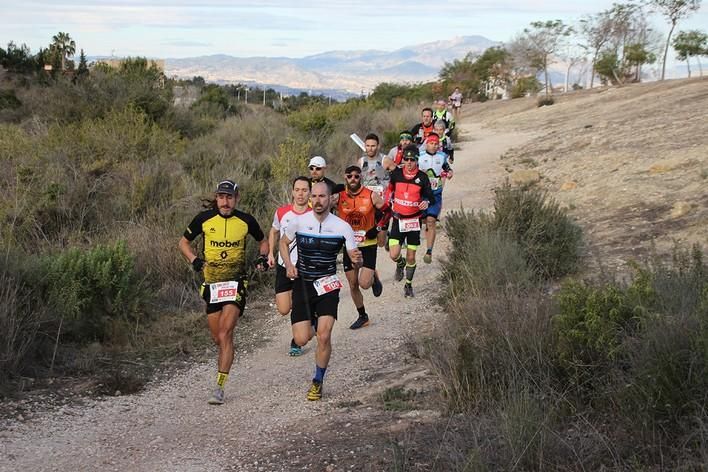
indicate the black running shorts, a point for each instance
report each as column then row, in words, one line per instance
column 282, row 282
column 307, row 305
column 368, row 253
column 410, row 237
column 240, row 301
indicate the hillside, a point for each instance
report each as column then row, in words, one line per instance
column 630, row 164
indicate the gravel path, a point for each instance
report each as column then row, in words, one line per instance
column 266, row 424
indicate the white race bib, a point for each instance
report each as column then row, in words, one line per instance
column 409, row 224
column 376, row 189
column 223, row 292
column 359, row 236
column 327, row 284
column 434, row 183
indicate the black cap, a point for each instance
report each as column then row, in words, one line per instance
column 351, row 169
column 227, row 186
column 411, row 151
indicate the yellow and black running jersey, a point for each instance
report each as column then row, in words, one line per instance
column 224, row 242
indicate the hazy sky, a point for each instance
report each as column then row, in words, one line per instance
column 182, row 28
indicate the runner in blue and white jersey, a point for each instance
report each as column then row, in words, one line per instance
column 435, row 164
column 319, row 236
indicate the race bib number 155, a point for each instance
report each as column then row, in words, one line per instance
column 223, row 292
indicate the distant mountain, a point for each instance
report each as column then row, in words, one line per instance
column 349, row 72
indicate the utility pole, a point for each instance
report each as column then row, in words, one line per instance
column 246, row 100
column 264, row 97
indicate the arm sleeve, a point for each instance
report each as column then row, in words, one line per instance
column 194, row 229
column 349, row 240
column 254, row 229
column 427, row 191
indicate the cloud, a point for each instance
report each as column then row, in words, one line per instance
column 182, row 43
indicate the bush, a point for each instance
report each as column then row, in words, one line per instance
column 550, row 241
column 545, row 101
column 96, row 291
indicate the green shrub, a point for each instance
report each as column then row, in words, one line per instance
column 551, row 242
column 591, row 326
column 482, row 259
column 96, row 291
column 545, row 101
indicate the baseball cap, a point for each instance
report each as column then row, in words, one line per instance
column 411, row 151
column 318, row 161
column 351, row 169
column 227, row 186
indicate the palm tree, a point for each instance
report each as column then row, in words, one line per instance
column 65, row 45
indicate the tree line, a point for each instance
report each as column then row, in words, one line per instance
column 614, row 44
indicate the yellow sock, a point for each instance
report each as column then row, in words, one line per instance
column 221, row 378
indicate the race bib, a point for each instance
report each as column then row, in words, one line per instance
column 359, row 236
column 409, row 224
column 327, row 284
column 223, row 292
column 434, row 184
column 376, row 189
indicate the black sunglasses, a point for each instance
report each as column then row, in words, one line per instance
column 410, row 159
column 315, row 168
column 353, row 176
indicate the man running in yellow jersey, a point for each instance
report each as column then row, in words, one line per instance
column 282, row 218
column 357, row 206
column 224, row 230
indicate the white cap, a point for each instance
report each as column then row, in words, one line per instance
column 318, row 161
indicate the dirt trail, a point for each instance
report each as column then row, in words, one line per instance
column 266, row 423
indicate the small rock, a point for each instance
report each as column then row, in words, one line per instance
column 570, row 185
column 680, row 209
column 525, row 177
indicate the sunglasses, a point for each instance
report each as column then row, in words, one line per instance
column 315, row 168
column 353, row 176
column 410, row 159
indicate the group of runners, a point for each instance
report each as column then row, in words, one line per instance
column 384, row 202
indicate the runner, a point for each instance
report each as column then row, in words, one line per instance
column 224, row 230
column 434, row 163
column 319, row 236
column 442, row 113
column 455, row 100
column 283, row 216
column 318, row 168
column 445, row 140
column 395, row 155
column 411, row 196
column 375, row 177
column 357, row 206
column 423, row 129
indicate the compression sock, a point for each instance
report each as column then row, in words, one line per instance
column 410, row 271
column 319, row 373
column 361, row 311
column 293, row 343
column 221, row 378
column 400, row 262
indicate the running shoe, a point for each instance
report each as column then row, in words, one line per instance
column 377, row 287
column 408, row 290
column 360, row 322
column 428, row 257
column 315, row 392
column 295, row 351
column 217, row 398
column 398, row 276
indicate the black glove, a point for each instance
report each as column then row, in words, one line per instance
column 197, row 264
column 261, row 262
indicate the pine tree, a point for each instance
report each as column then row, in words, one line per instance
column 83, row 70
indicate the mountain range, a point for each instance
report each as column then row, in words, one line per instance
column 332, row 72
